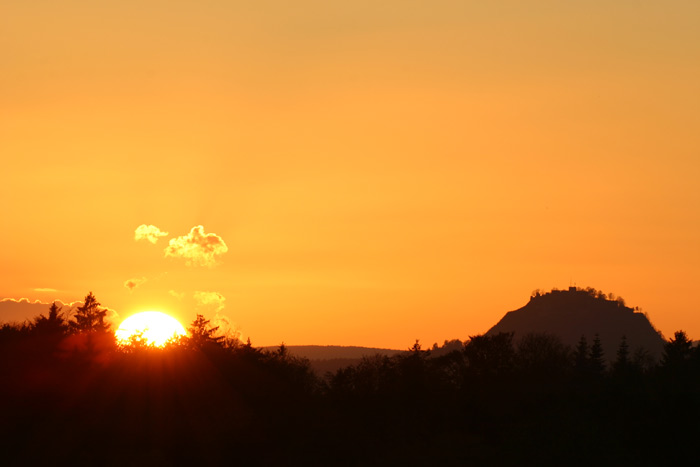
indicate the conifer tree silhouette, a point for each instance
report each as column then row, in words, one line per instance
column 677, row 352
column 54, row 324
column 90, row 317
column 202, row 333
column 596, row 359
column 622, row 363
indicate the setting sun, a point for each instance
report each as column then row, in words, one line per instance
column 154, row 327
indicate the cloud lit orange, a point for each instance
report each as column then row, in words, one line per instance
column 197, row 248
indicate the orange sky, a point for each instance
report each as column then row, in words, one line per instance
column 377, row 173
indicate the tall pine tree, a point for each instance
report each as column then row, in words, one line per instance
column 90, row 317
column 596, row 359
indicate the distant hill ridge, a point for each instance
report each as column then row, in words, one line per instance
column 328, row 352
column 568, row 314
column 576, row 312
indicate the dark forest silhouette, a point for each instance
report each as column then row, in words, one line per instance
column 71, row 395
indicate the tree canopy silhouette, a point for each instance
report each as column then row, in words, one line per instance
column 496, row 400
column 90, row 317
column 53, row 324
column 202, row 333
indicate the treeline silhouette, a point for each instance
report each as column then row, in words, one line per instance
column 72, row 395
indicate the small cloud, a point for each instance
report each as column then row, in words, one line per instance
column 178, row 295
column 131, row 284
column 45, row 289
column 197, row 248
column 113, row 318
column 148, row 232
column 212, row 300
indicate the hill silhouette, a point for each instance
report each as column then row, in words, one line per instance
column 576, row 312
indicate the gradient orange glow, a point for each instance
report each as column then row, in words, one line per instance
column 374, row 172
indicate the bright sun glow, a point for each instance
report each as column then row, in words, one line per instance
column 154, row 327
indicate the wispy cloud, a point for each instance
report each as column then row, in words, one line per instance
column 197, row 248
column 212, row 304
column 148, row 232
column 213, row 300
column 45, row 289
column 178, row 295
column 131, row 284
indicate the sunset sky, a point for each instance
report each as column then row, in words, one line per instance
column 364, row 173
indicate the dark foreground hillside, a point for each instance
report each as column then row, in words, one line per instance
column 76, row 399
